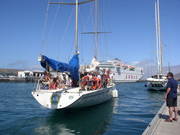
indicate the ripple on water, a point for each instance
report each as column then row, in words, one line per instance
column 129, row 114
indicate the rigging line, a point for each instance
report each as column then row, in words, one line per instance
column 96, row 21
column 86, row 23
column 54, row 19
column 103, row 51
column 89, row 21
column 102, row 15
column 44, row 30
column 92, row 14
column 107, row 48
column 66, row 28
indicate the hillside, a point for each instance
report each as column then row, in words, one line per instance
column 150, row 69
column 177, row 76
column 5, row 71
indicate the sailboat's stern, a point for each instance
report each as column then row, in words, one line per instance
column 54, row 99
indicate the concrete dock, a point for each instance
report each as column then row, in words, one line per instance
column 158, row 126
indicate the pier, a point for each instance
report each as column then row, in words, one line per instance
column 158, row 126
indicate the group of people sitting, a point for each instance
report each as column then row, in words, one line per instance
column 61, row 81
column 88, row 80
column 95, row 80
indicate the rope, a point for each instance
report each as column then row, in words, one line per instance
column 54, row 19
column 89, row 20
column 65, row 30
column 44, row 33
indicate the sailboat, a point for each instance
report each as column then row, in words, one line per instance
column 158, row 81
column 74, row 96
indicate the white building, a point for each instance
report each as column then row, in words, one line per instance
column 24, row 74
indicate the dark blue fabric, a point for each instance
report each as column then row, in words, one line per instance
column 172, row 84
column 72, row 67
column 55, row 65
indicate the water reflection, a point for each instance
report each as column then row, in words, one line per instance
column 129, row 114
column 87, row 121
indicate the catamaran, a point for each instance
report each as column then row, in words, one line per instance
column 157, row 82
column 70, row 97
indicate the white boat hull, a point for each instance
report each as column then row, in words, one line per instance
column 72, row 98
column 157, row 85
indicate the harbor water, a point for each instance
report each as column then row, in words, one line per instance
column 129, row 114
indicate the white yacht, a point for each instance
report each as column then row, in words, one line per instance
column 156, row 82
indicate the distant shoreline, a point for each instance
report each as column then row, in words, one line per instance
column 18, row 79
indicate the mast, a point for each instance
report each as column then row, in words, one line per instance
column 157, row 46
column 158, row 37
column 159, row 34
column 76, row 29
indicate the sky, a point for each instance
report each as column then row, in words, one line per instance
column 29, row 28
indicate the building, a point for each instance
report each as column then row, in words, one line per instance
column 26, row 73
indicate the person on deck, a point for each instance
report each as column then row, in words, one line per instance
column 171, row 97
column 84, row 81
column 95, row 82
column 53, row 84
column 104, row 79
column 46, row 77
column 46, row 80
column 90, row 81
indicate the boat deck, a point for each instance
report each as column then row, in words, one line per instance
column 158, row 126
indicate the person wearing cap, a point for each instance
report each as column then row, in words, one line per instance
column 171, row 97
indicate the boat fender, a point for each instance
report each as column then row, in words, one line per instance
column 115, row 93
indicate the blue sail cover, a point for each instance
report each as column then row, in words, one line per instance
column 72, row 67
column 55, row 65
